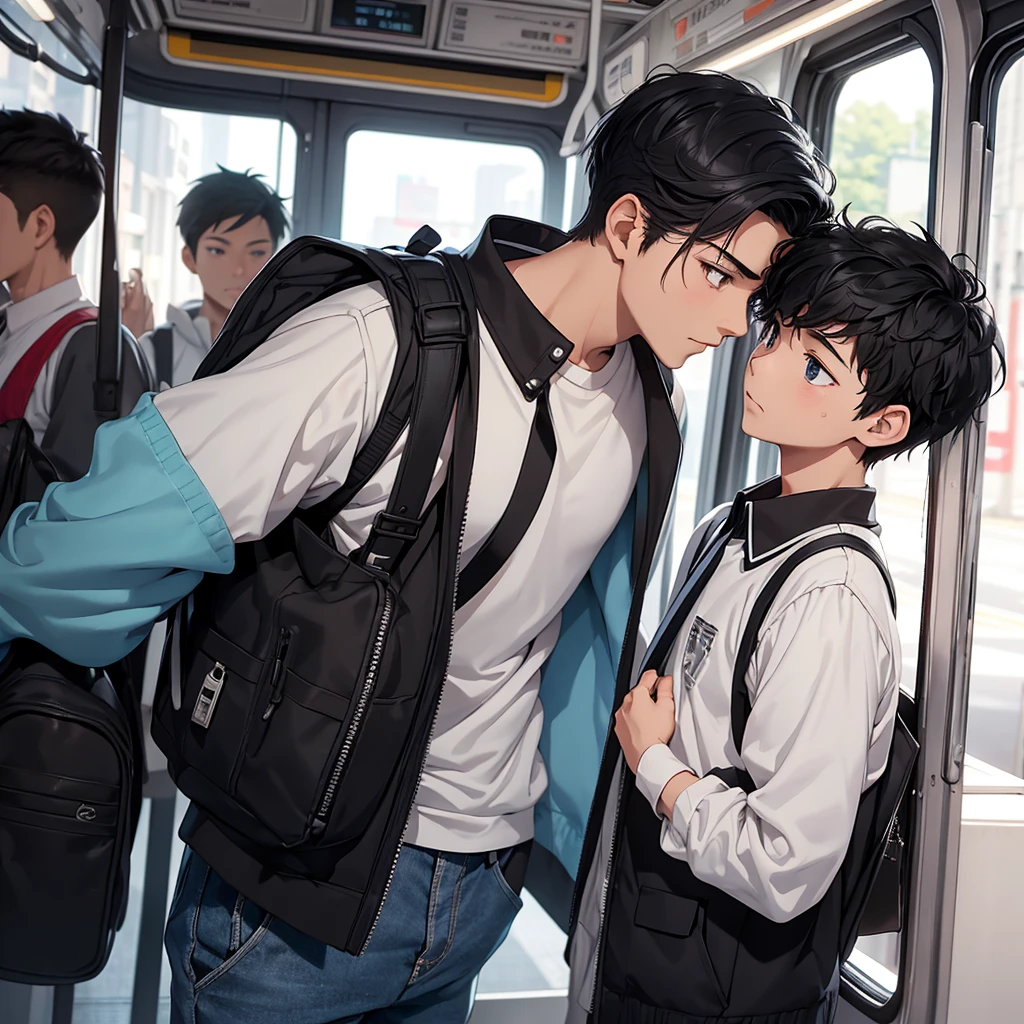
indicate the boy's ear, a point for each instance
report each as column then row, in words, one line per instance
column 42, row 223
column 624, row 226
column 884, row 427
column 188, row 259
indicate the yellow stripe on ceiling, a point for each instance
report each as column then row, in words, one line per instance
column 182, row 46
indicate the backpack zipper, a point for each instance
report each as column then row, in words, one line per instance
column 277, row 673
column 433, row 724
column 320, row 821
column 604, row 891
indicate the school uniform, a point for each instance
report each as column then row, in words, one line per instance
column 60, row 406
column 690, row 890
column 175, row 349
column 525, row 706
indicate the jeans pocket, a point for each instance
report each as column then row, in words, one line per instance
column 499, row 877
column 227, row 928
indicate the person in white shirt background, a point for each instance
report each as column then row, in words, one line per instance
column 874, row 344
column 51, row 188
column 231, row 224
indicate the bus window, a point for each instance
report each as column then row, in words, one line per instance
column 881, row 154
column 395, row 183
column 163, row 150
column 995, row 722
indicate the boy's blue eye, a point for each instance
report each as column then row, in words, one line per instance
column 815, row 373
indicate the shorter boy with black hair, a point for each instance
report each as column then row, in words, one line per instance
column 231, row 223
column 722, row 865
column 51, row 187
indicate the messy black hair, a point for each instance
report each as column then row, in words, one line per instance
column 45, row 161
column 230, row 195
column 702, row 151
column 920, row 334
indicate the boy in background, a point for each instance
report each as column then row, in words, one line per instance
column 231, row 224
column 51, row 187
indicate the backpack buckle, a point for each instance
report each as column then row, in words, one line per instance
column 395, row 532
column 442, row 321
column 397, row 527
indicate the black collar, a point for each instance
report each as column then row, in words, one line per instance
column 769, row 522
column 531, row 348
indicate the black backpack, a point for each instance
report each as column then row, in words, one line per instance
column 296, row 693
column 289, row 676
column 70, row 796
column 71, row 774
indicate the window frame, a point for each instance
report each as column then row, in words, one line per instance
column 345, row 119
column 822, row 77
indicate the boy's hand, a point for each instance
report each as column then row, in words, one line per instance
column 645, row 719
column 136, row 305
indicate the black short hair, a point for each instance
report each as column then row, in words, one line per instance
column 702, row 151
column 920, row 333
column 45, row 161
column 230, row 195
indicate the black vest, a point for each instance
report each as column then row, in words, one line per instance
column 680, row 951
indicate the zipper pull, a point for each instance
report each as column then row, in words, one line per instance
column 208, row 694
column 277, row 674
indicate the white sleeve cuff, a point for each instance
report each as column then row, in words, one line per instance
column 656, row 766
column 686, row 805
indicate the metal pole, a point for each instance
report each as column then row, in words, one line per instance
column 108, row 332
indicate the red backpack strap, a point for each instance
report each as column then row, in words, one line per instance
column 17, row 389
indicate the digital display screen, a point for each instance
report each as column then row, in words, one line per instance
column 391, row 16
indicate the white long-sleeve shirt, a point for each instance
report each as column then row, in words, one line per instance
column 823, row 684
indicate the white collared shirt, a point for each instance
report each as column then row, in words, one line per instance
column 824, row 686
column 191, row 342
column 26, row 322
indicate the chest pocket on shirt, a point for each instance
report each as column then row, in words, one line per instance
column 698, row 647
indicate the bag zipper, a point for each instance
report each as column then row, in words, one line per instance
column 277, row 673
column 320, row 821
column 433, row 724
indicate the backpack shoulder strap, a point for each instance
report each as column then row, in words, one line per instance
column 17, row 389
column 749, row 641
column 435, row 318
column 162, row 339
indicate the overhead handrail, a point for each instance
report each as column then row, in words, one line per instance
column 14, row 37
column 106, row 387
column 570, row 146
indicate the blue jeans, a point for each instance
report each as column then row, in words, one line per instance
column 231, row 963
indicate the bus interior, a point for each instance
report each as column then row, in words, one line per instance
column 373, row 117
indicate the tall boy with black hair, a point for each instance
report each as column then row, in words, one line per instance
column 574, row 332
column 874, row 344
column 51, row 187
column 231, row 223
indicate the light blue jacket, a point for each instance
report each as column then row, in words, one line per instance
column 85, row 573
